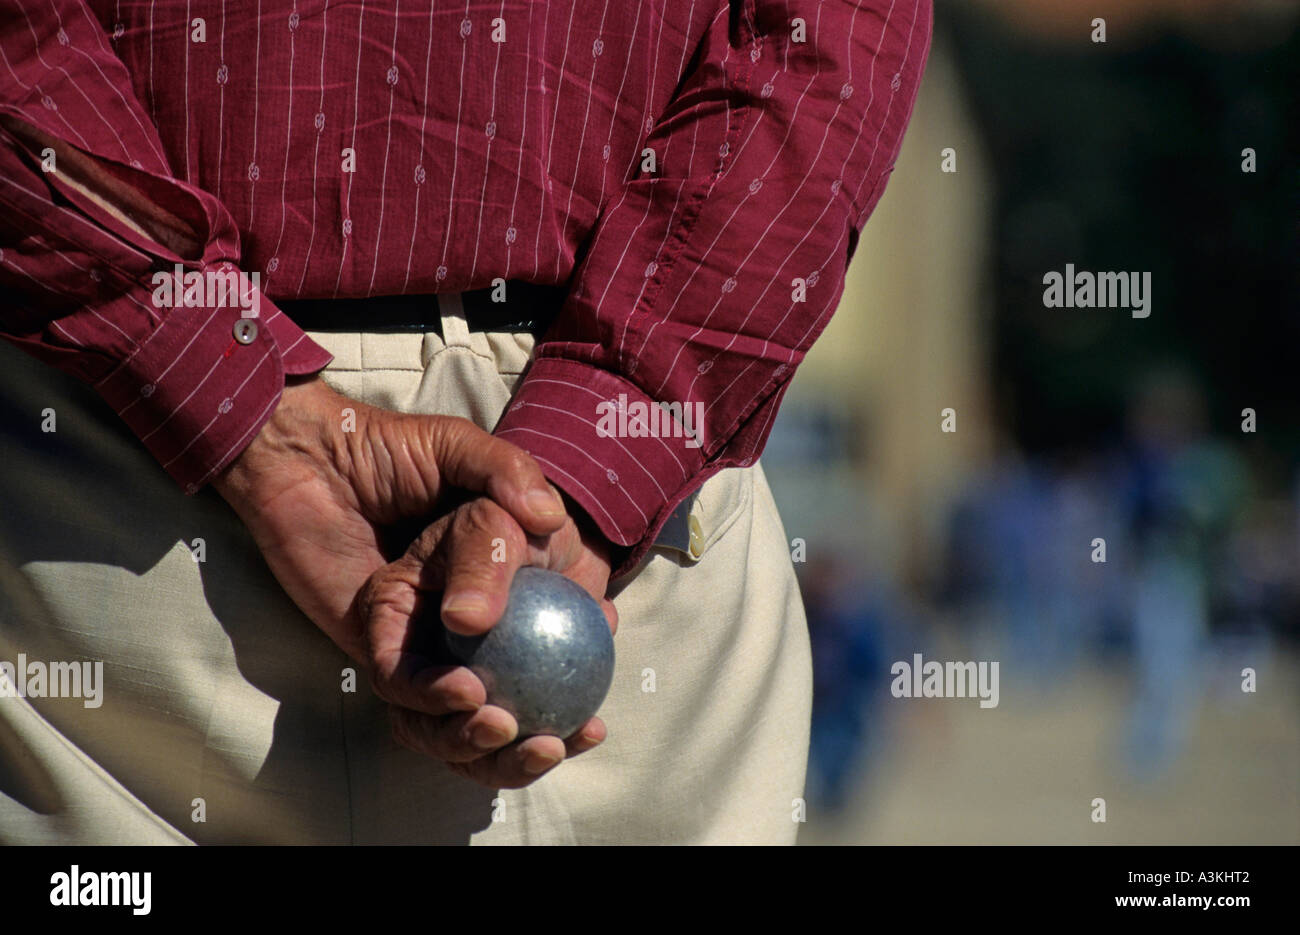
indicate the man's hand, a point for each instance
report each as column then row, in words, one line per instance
column 441, row 710
column 316, row 498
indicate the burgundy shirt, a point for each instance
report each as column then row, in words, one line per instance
column 384, row 147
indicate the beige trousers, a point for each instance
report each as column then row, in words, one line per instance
column 224, row 715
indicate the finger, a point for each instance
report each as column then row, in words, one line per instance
column 388, row 606
column 432, row 690
column 517, row 765
column 471, row 555
column 594, row 579
column 474, row 564
column 587, row 737
column 457, row 738
column 565, row 551
column 470, row 458
column 476, row 592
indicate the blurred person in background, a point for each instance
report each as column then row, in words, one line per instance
column 847, row 627
column 1185, row 494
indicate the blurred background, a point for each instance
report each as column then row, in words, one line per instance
column 1120, row 680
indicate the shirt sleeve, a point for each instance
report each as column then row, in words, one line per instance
column 87, row 266
column 708, row 278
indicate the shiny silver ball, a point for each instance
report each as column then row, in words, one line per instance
column 550, row 658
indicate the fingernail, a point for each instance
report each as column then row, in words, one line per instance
column 465, row 602
column 486, row 737
column 545, row 503
column 535, row 763
column 591, row 740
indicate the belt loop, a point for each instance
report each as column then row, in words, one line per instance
column 455, row 330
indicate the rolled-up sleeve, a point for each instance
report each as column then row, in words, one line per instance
column 707, row 279
column 80, row 280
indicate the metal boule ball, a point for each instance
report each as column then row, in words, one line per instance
column 549, row 660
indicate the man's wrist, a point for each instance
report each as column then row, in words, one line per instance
column 295, row 420
column 586, row 525
column 610, row 552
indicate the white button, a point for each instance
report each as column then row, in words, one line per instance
column 697, row 537
column 245, row 331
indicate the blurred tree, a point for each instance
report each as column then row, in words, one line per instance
column 1127, row 156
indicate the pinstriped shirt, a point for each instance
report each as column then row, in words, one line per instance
column 694, row 173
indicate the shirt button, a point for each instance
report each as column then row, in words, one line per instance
column 697, row 537
column 245, row 331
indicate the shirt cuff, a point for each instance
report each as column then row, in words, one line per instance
column 626, row 460
column 195, row 394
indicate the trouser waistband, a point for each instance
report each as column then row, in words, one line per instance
column 513, row 306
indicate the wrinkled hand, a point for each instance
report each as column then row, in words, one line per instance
column 317, row 498
column 441, row 710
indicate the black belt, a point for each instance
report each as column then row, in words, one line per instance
column 527, row 307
